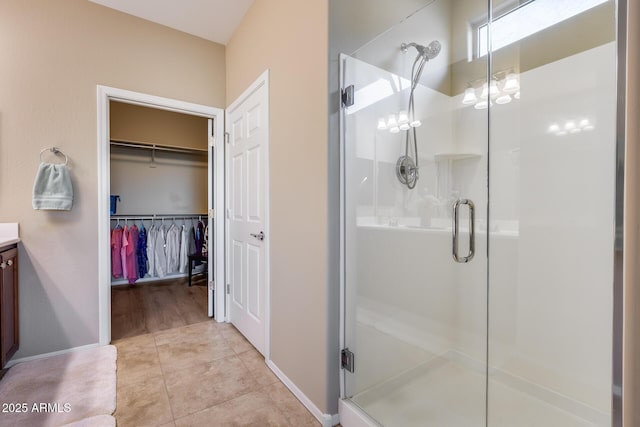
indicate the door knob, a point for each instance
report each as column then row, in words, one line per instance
column 259, row 236
column 10, row 262
column 3, row 265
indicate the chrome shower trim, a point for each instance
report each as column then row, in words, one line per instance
column 407, row 171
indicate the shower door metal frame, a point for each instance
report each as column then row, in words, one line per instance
column 617, row 389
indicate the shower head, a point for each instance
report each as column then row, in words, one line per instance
column 428, row 52
column 432, row 50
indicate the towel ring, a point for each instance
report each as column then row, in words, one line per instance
column 54, row 150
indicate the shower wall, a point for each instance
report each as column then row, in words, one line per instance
column 551, row 317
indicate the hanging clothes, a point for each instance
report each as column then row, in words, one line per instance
column 151, row 242
column 116, row 245
column 132, row 259
column 199, row 237
column 141, row 252
column 173, row 249
column 192, row 241
column 123, row 251
column 205, row 241
column 184, row 248
column 159, row 252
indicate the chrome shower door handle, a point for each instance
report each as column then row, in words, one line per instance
column 455, row 230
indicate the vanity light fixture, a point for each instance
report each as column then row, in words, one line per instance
column 395, row 124
column 503, row 88
column 570, row 127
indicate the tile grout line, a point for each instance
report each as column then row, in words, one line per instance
column 261, row 387
column 164, row 380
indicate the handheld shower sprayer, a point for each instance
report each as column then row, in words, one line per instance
column 430, row 51
column 407, row 165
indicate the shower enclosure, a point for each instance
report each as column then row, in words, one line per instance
column 478, row 217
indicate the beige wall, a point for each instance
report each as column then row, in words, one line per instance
column 53, row 56
column 177, row 184
column 131, row 122
column 290, row 38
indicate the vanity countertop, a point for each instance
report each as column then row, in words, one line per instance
column 9, row 233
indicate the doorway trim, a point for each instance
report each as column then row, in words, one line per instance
column 105, row 94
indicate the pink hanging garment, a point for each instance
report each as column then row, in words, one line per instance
column 116, row 260
column 132, row 258
column 123, row 250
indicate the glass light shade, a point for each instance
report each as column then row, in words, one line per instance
column 382, row 125
column 585, row 124
column 415, row 124
column 403, row 117
column 493, row 89
column 553, row 128
column 394, row 129
column 562, row 133
column 511, row 84
column 481, row 105
column 569, row 125
column 485, row 91
column 391, row 121
column 503, row 99
column 517, row 95
column 575, row 130
column 469, row 96
column 405, row 126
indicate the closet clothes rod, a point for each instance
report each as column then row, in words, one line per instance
column 157, row 147
column 160, row 216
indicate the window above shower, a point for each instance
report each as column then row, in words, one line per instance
column 527, row 19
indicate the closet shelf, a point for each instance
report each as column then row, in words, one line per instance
column 157, row 147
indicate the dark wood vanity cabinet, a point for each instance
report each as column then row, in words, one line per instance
column 9, row 320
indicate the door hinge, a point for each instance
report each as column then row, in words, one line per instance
column 226, row 137
column 348, row 360
column 212, row 213
column 347, row 96
column 211, row 287
column 228, row 289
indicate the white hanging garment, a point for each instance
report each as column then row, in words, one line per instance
column 173, row 249
column 151, row 255
column 184, row 246
column 159, row 251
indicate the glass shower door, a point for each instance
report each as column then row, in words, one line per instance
column 415, row 176
column 553, row 151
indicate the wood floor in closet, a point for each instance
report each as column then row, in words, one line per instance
column 155, row 306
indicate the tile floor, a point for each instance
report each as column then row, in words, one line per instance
column 204, row 374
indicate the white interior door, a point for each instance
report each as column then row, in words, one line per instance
column 247, row 124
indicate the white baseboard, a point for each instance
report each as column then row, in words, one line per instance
column 53, row 353
column 327, row 420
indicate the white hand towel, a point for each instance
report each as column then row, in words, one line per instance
column 52, row 189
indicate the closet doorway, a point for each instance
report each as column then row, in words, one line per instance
column 161, row 181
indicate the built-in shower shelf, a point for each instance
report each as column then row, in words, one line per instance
column 455, row 156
